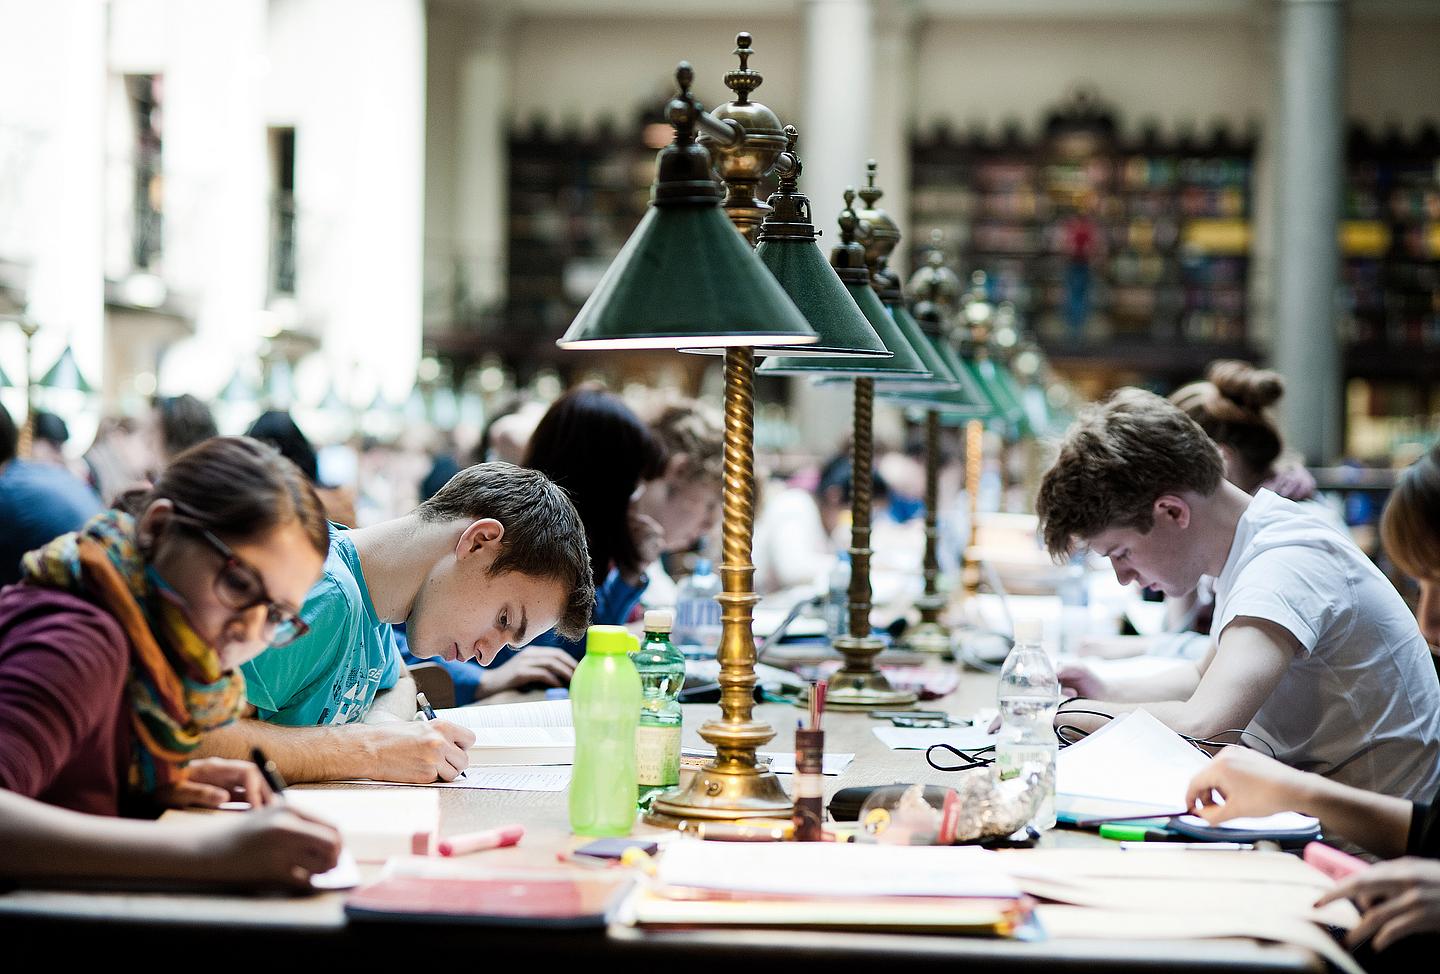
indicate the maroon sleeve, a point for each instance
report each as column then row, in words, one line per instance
column 63, row 667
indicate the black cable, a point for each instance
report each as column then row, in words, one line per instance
column 1202, row 743
column 971, row 757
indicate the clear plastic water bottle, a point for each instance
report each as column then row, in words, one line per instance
column 662, row 676
column 697, row 614
column 1028, row 696
column 837, row 616
column 605, row 708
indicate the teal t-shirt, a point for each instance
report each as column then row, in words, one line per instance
column 332, row 673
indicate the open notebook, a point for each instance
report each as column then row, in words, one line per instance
column 518, row 733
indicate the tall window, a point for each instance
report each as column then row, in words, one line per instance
column 283, row 239
column 145, row 91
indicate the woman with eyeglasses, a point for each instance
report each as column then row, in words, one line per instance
column 119, row 649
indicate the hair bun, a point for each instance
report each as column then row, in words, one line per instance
column 1246, row 386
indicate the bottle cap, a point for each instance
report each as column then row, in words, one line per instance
column 1028, row 631
column 659, row 620
column 610, row 640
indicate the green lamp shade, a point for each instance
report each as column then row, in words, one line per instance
column 1001, row 383
column 812, row 284
column 65, row 374
column 686, row 279
column 942, row 375
column 969, row 400
column 904, row 363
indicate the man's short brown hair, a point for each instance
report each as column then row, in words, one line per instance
column 1116, row 459
column 543, row 538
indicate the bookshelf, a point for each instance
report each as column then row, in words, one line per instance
column 1128, row 255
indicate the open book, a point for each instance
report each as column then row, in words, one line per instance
column 518, row 733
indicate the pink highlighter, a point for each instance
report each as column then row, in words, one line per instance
column 459, row 845
column 1332, row 862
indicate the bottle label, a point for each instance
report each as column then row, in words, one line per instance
column 657, row 755
column 1012, row 759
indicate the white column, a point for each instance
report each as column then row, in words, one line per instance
column 1307, row 213
column 835, row 141
column 216, row 169
column 836, row 137
column 58, row 63
column 482, row 160
column 892, row 118
column 351, row 79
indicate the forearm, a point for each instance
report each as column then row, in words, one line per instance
column 39, row 841
column 397, row 703
column 1380, row 823
column 301, row 753
column 1183, row 717
column 1175, row 684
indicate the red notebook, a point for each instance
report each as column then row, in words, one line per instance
column 519, row 899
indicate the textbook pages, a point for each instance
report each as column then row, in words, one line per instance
column 529, row 734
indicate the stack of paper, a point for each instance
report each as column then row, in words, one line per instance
column 1137, row 766
column 830, row 886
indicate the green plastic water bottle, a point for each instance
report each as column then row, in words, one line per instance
column 605, row 708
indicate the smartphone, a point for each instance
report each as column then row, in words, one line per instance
column 615, row 848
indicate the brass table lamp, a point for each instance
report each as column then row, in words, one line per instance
column 858, row 684
column 686, row 279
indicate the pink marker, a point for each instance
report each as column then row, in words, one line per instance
column 459, row 845
column 1332, row 862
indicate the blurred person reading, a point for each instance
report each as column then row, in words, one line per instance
column 38, row 502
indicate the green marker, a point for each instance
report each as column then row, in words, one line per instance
column 1132, row 833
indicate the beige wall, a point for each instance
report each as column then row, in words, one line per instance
column 576, row 68
column 990, row 69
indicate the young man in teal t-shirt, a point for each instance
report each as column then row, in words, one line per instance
column 496, row 557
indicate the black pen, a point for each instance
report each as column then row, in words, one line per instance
column 269, row 772
column 424, row 706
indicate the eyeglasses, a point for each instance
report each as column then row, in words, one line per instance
column 239, row 586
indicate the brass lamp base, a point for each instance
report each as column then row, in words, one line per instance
column 725, row 793
column 858, row 685
column 929, row 637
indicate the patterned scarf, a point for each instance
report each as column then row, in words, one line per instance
column 176, row 687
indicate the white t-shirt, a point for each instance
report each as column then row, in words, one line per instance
column 1360, row 703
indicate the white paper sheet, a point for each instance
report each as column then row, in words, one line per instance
column 920, row 738
column 536, row 777
column 345, row 875
column 1137, row 763
column 833, row 869
column 542, row 778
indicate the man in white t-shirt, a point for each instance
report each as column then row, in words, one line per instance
column 1315, row 655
